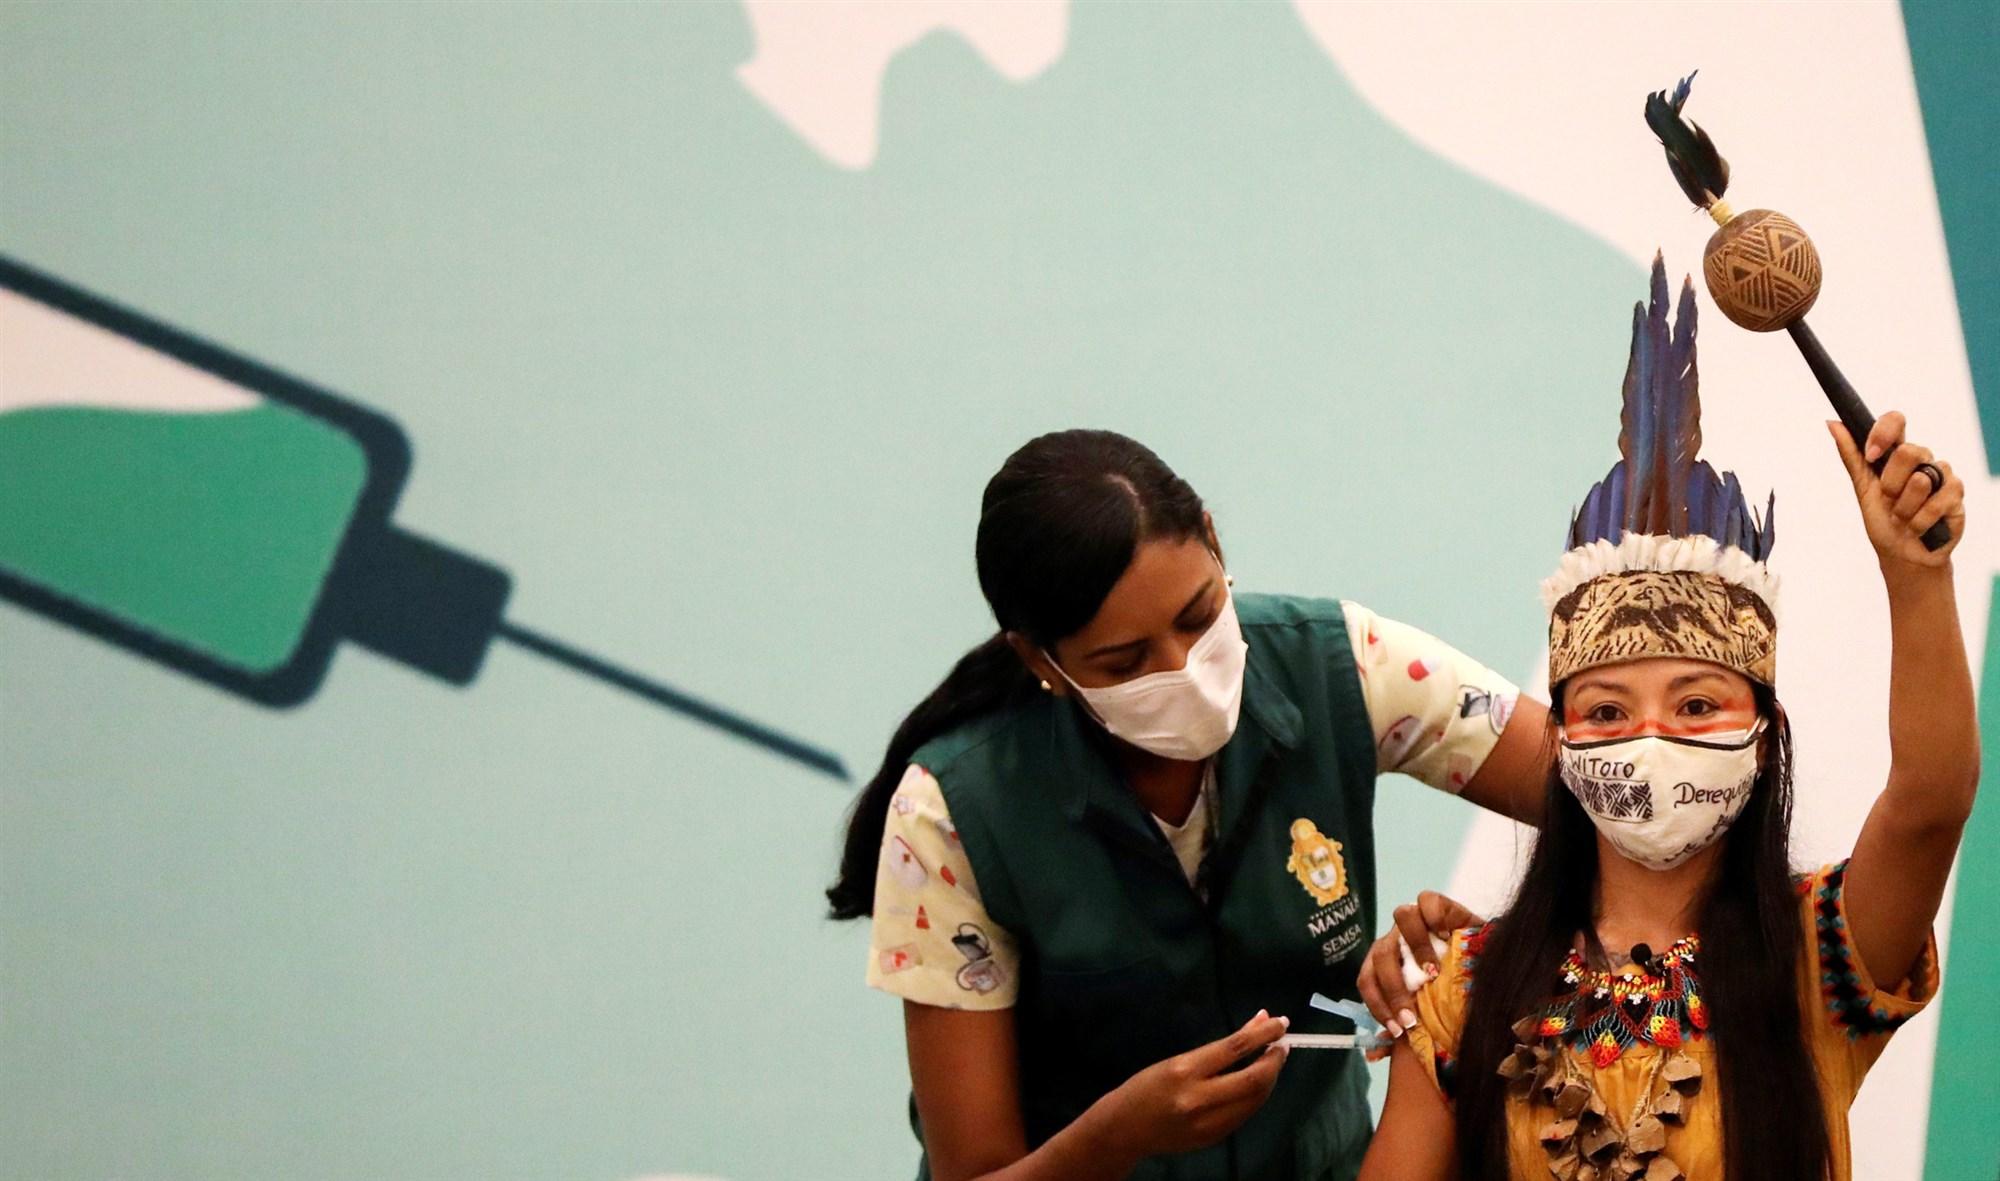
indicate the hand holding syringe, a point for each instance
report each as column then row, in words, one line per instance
column 1367, row 1034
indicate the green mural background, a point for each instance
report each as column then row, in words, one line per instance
column 1951, row 50
column 723, row 410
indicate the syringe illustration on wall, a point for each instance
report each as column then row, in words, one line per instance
column 214, row 515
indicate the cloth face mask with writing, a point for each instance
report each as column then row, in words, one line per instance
column 1659, row 798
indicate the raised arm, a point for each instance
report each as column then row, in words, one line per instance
column 1896, row 877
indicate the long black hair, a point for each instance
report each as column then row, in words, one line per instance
column 1773, row 1122
column 1058, row 525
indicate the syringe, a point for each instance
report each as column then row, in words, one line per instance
column 1367, row 1033
column 1320, row 1041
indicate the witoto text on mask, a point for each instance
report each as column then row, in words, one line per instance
column 1660, row 798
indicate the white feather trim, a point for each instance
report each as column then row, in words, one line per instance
column 1648, row 551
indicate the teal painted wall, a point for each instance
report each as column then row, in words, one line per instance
column 1952, row 46
column 722, row 410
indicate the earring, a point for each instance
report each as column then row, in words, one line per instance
column 1229, row 580
column 1048, row 688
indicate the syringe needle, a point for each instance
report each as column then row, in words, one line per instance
column 1320, row 1041
column 714, row 715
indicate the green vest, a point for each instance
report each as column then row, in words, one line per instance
column 1123, row 963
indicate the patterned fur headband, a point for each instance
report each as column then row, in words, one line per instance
column 1666, row 557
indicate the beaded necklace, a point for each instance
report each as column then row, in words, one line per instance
column 1599, row 1015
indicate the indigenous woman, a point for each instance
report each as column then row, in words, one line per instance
column 1666, row 997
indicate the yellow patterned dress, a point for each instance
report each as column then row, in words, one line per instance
column 1609, row 1076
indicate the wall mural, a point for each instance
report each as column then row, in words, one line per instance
column 709, row 322
column 231, row 522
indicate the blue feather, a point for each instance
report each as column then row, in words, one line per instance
column 1660, row 485
column 1583, row 518
column 1681, row 435
column 1638, row 394
column 1732, row 511
column 1659, row 393
column 1701, row 497
column 1614, row 527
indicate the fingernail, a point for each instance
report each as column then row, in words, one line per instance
column 1261, row 1014
column 1285, row 1021
column 1409, row 1019
column 1430, row 971
column 1394, row 1029
column 1874, row 452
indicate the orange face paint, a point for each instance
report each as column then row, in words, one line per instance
column 1737, row 712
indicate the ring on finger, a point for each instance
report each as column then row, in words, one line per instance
column 1931, row 470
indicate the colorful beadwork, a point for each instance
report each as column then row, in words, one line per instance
column 1473, row 941
column 1445, row 1067
column 1839, row 980
column 1603, row 1014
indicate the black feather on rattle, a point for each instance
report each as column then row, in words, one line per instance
column 1702, row 172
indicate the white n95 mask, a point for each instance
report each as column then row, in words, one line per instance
column 1188, row 713
column 1661, row 799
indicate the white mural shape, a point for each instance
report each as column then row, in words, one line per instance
column 819, row 65
column 51, row 359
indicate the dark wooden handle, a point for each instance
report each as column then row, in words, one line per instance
column 1853, row 413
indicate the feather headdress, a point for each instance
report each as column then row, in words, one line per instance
column 1665, row 556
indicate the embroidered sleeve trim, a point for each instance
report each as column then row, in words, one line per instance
column 1851, row 997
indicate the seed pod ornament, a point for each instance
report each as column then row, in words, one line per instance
column 1762, row 270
